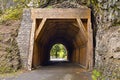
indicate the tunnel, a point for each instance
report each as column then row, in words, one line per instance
column 70, row 30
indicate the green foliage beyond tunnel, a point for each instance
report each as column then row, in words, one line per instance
column 58, row 51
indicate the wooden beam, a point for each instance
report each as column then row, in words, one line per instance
column 40, row 27
column 82, row 29
column 30, row 56
column 90, row 46
column 61, row 13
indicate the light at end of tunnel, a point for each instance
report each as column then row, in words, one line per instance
column 58, row 53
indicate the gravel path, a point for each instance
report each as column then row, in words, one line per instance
column 59, row 71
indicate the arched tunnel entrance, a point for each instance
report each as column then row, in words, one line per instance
column 70, row 27
column 58, row 52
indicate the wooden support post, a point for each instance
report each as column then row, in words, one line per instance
column 82, row 29
column 90, row 46
column 30, row 56
column 40, row 27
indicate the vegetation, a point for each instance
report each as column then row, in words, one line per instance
column 22, row 3
column 11, row 14
column 58, row 51
column 10, row 60
column 95, row 75
column 14, row 12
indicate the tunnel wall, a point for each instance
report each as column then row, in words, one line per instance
column 35, row 53
column 42, row 58
column 24, row 36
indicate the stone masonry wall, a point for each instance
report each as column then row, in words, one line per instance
column 24, row 36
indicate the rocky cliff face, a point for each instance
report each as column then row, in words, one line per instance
column 107, row 50
column 5, row 4
column 9, row 52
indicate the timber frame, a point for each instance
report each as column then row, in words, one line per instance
column 78, row 18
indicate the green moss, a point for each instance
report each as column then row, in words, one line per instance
column 95, row 75
column 94, row 2
column 11, row 60
column 116, row 23
column 1, row 12
column 1, row 38
column 6, row 69
column 9, row 49
column 96, row 6
column 88, row 3
column 49, row 7
column 11, row 14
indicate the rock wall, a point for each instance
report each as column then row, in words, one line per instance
column 9, row 52
column 5, row 4
column 24, row 36
column 107, row 50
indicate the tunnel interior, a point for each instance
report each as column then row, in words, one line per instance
column 65, row 31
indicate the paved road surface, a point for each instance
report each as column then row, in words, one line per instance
column 59, row 71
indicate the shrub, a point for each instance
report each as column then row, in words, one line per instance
column 11, row 14
column 95, row 74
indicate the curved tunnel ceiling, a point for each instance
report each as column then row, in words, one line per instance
column 61, row 31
